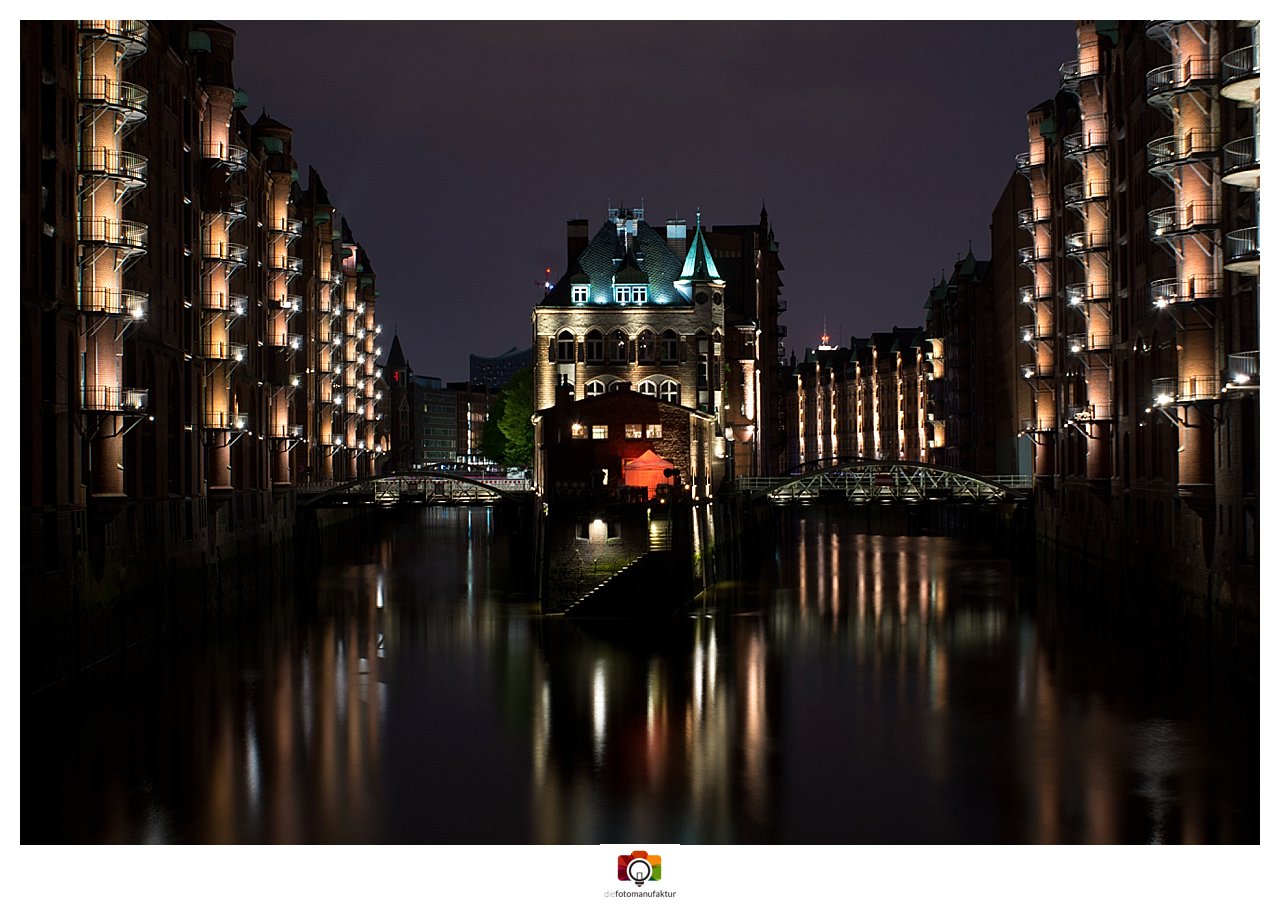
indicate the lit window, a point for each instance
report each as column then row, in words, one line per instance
column 641, row 294
column 653, row 430
column 634, row 430
column 622, row 295
column 669, row 391
column 579, row 293
column 578, row 430
column 599, row 432
column 595, row 388
column 617, row 346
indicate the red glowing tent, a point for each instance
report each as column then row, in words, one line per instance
column 648, row 470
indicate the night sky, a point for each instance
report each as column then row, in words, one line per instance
column 457, row 151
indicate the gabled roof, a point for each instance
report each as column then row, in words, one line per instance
column 604, row 256
column 396, row 359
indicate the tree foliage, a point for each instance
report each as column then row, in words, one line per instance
column 515, row 422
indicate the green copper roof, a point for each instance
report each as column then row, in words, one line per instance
column 630, row 271
column 198, row 41
column 699, row 265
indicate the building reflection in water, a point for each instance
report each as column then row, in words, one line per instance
column 867, row 689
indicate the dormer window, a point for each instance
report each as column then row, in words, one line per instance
column 631, row 294
column 579, row 292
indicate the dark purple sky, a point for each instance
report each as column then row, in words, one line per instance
column 457, row 151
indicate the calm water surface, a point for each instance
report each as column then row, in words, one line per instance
column 862, row 689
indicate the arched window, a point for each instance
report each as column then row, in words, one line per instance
column 619, row 386
column 669, row 347
column 646, row 348
column 564, row 347
column 595, row 388
column 595, row 346
column 649, row 387
column 670, row 392
column 617, row 346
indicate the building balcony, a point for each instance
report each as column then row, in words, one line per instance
column 1079, row 344
column 1240, row 163
column 223, row 302
column 1187, row 291
column 130, row 238
column 287, row 431
column 1028, row 297
column 1083, row 244
column 130, row 34
column 1241, row 75
column 1082, row 142
column 1030, row 371
column 1242, row 251
column 1025, row 162
column 1035, row 424
column 1167, row 153
column 224, row 352
column 1033, row 254
column 290, row 228
column 1242, row 370
column 289, row 303
column 231, row 155
column 121, row 303
column 226, row 253
column 233, row 207
column 285, row 341
column 1030, row 334
column 110, row 398
column 127, row 168
column 1166, row 391
column 1073, row 73
column 1080, row 194
column 1169, row 223
column 285, row 263
column 1192, row 74
column 1028, row 219
column 1089, row 413
column 125, row 99
column 226, row 420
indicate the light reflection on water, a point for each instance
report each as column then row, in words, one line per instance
column 867, row 689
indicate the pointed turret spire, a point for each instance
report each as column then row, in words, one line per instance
column 699, row 265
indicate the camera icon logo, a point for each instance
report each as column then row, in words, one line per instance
column 639, row 866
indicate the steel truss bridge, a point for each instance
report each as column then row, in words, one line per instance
column 886, row 482
column 422, row 487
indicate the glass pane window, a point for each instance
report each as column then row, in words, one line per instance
column 653, row 430
column 599, row 432
column 634, row 430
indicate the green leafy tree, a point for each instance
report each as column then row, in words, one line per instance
column 493, row 444
column 516, row 424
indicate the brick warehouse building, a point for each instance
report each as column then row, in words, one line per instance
column 1143, row 278
column 198, row 329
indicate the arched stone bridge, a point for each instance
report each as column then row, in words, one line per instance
column 423, row 487
column 901, row 482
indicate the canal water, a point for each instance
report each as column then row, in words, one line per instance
column 857, row 689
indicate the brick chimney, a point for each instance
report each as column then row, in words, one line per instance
column 578, row 238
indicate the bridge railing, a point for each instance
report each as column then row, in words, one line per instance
column 759, row 484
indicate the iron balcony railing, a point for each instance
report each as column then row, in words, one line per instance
column 1166, row 223
column 109, row 398
column 225, row 419
column 1025, row 162
column 118, row 233
column 1079, row 193
column 127, row 167
column 232, row 155
column 225, row 352
column 1030, row 333
column 1088, row 343
column 1174, row 291
column 1080, row 295
column 1239, row 159
column 221, row 301
column 1242, row 368
column 1072, row 73
column 1195, row 144
column 130, row 34
column 1029, row 218
column 287, row 303
column 1081, row 142
column 286, row 341
column 1031, row 254
column 234, row 206
column 1027, row 296
column 1087, row 242
column 1192, row 73
column 226, row 252
column 1036, row 424
column 1242, row 247
column 1089, row 412
column 1240, row 64
column 286, row 263
column 1031, row 371
column 290, row 227
column 104, row 92
column 124, row 303
column 287, row 431
column 1165, row 391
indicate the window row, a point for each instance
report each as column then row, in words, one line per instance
column 668, row 391
column 649, row 347
column 629, row 430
